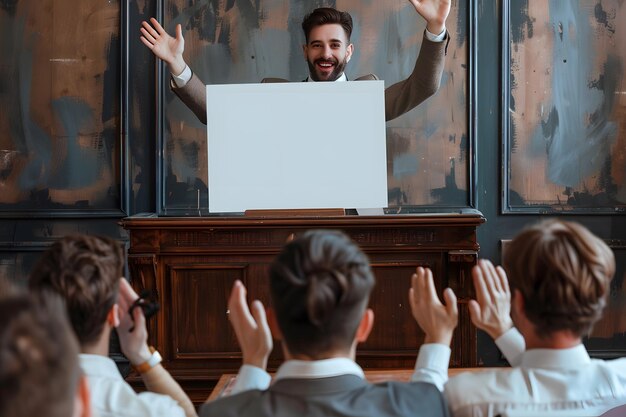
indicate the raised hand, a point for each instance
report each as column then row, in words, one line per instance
column 134, row 344
column 164, row 46
column 435, row 12
column 435, row 319
column 492, row 311
column 253, row 332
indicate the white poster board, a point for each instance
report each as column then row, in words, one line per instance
column 296, row 145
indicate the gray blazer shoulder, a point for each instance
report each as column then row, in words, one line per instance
column 342, row 396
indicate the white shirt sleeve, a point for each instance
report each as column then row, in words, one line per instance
column 183, row 78
column 251, row 377
column 512, row 345
column 432, row 37
column 432, row 365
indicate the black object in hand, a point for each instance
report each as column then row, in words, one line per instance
column 149, row 308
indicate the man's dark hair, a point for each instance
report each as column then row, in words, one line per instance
column 325, row 16
column 320, row 286
column 39, row 369
column 85, row 271
column 563, row 272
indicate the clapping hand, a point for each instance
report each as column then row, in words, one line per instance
column 134, row 344
column 435, row 319
column 491, row 311
column 253, row 332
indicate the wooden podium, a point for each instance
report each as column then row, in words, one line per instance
column 190, row 265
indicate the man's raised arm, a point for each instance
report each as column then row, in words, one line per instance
column 438, row 323
column 185, row 84
column 426, row 76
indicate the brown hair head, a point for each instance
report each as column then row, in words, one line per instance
column 39, row 370
column 327, row 16
column 320, row 286
column 563, row 272
column 85, row 272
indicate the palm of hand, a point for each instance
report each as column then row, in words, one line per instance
column 432, row 10
column 168, row 47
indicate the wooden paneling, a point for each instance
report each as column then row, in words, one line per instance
column 191, row 264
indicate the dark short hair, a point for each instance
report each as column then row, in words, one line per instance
column 563, row 272
column 320, row 286
column 326, row 16
column 39, row 369
column 85, row 271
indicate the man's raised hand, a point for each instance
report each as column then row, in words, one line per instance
column 253, row 332
column 134, row 344
column 435, row 12
column 164, row 46
column 491, row 311
column 435, row 319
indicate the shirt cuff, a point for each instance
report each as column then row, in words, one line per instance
column 432, row 364
column 512, row 345
column 183, row 78
column 436, row 38
column 251, row 377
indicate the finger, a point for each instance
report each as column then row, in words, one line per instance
column 430, row 287
column 140, row 319
column 149, row 29
column 493, row 277
column 479, row 285
column 420, row 287
column 488, row 279
column 127, row 294
column 475, row 315
column 122, row 301
column 148, row 36
column 179, row 32
column 504, row 281
column 258, row 312
column 415, row 287
column 412, row 301
column 147, row 43
column 239, row 316
column 157, row 25
column 452, row 307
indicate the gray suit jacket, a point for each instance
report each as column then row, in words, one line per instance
column 399, row 98
column 340, row 396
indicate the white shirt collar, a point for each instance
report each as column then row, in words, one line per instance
column 341, row 78
column 99, row 365
column 324, row 368
column 556, row 358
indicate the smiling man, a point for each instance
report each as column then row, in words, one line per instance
column 327, row 51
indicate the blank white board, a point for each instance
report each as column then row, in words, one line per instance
column 296, row 145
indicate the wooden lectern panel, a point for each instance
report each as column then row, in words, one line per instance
column 191, row 264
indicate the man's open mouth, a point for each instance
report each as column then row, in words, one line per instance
column 325, row 65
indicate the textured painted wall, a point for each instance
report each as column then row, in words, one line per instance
column 238, row 41
column 59, row 112
column 568, row 104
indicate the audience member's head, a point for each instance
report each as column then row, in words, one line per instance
column 563, row 273
column 85, row 271
column 327, row 16
column 39, row 368
column 320, row 285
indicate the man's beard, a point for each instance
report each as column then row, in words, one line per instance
column 336, row 73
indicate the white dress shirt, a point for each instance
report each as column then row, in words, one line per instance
column 183, row 78
column 544, row 380
column 251, row 377
column 111, row 396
